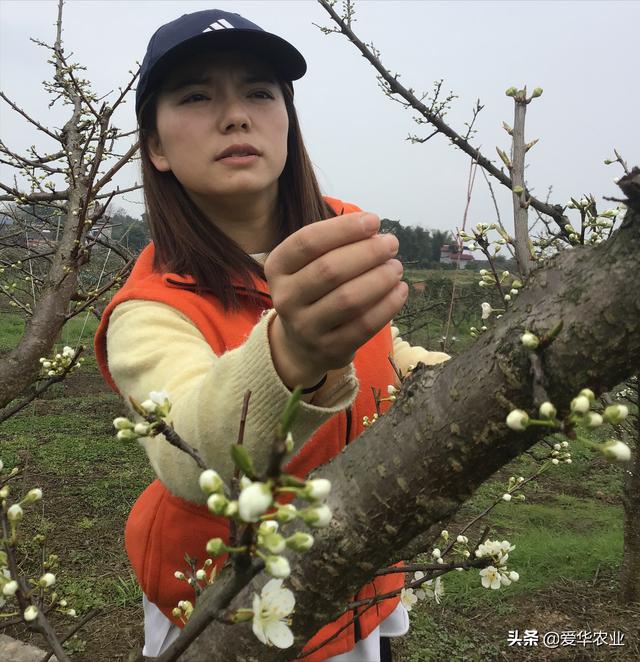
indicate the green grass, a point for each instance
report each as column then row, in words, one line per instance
column 79, row 330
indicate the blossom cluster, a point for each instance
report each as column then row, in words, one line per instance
column 9, row 584
column 157, row 405
column 60, row 362
column 581, row 415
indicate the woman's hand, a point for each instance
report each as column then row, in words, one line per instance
column 334, row 284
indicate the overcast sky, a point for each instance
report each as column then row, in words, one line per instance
column 584, row 55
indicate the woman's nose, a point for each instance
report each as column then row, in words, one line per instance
column 235, row 116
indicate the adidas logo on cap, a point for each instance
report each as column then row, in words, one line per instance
column 221, row 24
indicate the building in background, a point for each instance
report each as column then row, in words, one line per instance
column 451, row 254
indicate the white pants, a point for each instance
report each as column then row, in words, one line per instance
column 160, row 633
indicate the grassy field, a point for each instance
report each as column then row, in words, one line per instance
column 568, row 537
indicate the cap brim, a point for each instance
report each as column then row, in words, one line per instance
column 287, row 60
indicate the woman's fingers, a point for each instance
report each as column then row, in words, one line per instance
column 347, row 337
column 342, row 265
column 352, row 299
column 314, row 240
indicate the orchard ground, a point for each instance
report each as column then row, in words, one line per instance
column 567, row 533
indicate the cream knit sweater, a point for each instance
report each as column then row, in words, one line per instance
column 152, row 346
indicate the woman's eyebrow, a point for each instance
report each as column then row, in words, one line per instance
column 188, row 80
column 203, row 80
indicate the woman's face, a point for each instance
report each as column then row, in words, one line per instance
column 213, row 103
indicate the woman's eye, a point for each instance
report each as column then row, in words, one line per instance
column 194, row 98
column 262, row 94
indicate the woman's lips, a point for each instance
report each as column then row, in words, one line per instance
column 239, row 160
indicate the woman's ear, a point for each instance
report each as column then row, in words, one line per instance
column 156, row 153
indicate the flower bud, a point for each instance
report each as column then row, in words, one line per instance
column 536, row 92
column 286, row 513
column 47, row 580
column 122, row 423
column 142, row 429
column 254, row 501
column 278, row 567
column 15, row 513
column 318, row 517
column 149, row 406
column 10, row 588
column 30, row 613
column 436, row 553
column 267, row 527
column 126, row 435
column 463, row 540
column 547, row 410
column 616, row 413
column 288, row 442
column 216, row 546
column 32, row 496
column 300, row 541
column 589, row 394
column 201, row 575
column 217, row 503
column 616, row 450
column 593, row 419
column 179, row 575
column 210, row 481
column 318, row 489
column 518, row 420
column 511, row 91
column 514, row 576
column 232, row 509
column 529, row 340
column 580, row 404
column 506, row 497
column 444, row 535
column 274, row 543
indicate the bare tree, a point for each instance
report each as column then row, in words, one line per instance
column 67, row 190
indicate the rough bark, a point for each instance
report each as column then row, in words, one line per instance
column 446, row 434
column 630, row 566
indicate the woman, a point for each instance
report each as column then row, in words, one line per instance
column 253, row 282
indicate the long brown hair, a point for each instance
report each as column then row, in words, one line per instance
column 187, row 242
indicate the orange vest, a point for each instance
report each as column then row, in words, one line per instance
column 162, row 527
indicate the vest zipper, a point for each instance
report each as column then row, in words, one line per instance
column 348, row 417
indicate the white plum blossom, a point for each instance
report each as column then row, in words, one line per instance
column 271, row 610
column 408, row 598
column 490, row 577
column 254, row 501
column 486, row 310
column 432, row 589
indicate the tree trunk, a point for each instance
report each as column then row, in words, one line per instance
column 446, row 435
column 630, row 568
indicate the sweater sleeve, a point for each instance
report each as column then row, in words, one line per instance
column 406, row 355
column 152, row 346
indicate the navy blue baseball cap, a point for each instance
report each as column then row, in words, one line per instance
column 213, row 29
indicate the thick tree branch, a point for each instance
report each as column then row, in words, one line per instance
column 446, row 434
